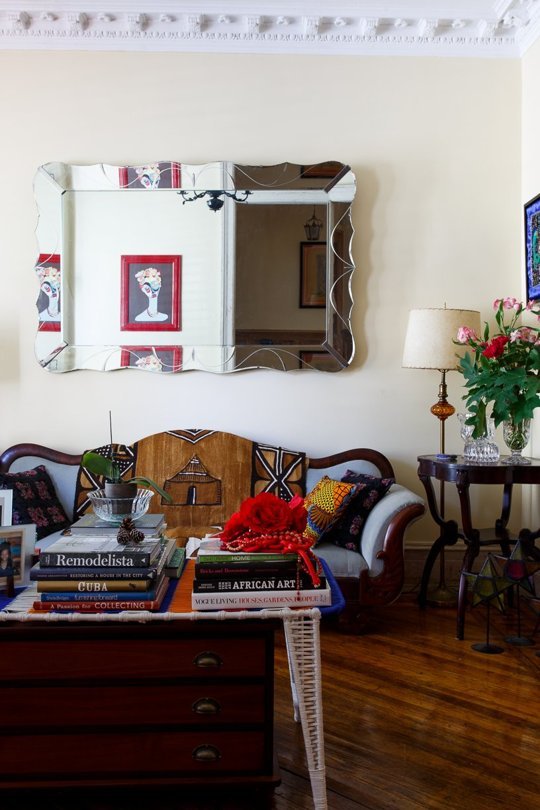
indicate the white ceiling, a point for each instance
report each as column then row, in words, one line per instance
column 484, row 28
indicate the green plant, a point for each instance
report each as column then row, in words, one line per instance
column 110, row 469
column 503, row 370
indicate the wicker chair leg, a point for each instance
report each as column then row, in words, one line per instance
column 304, row 653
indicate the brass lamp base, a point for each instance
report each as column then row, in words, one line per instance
column 441, row 596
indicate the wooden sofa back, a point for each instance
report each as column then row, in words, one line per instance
column 207, row 473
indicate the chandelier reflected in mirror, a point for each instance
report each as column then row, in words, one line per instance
column 215, row 201
column 313, row 228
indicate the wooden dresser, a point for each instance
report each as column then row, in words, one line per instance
column 161, row 703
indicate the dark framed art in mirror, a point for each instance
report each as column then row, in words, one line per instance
column 201, row 261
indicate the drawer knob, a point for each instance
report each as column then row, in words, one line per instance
column 206, row 706
column 207, row 659
column 206, row 753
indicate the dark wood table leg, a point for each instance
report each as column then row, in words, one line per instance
column 528, row 542
column 448, row 537
column 471, row 537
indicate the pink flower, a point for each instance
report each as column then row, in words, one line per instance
column 530, row 305
column 497, row 303
column 511, row 303
column 525, row 334
column 465, row 334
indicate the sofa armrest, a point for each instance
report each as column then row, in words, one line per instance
column 386, row 523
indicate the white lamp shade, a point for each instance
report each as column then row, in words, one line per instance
column 430, row 336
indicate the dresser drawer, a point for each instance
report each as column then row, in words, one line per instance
column 201, row 658
column 120, row 754
column 198, row 704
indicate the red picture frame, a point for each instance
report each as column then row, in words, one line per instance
column 170, row 356
column 43, row 303
column 151, row 176
column 154, row 281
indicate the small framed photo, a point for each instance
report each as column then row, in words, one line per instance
column 313, row 274
column 48, row 302
column 151, row 293
column 151, row 176
column 17, row 545
column 322, row 361
column 6, row 506
column 152, row 358
column 327, row 169
column 532, row 248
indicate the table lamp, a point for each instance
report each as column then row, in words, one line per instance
column 429, row 345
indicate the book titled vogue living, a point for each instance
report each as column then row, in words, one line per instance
column 261, row 599
column 99, row 552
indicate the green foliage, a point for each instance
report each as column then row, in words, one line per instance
column 110, row 469
column 502, row 371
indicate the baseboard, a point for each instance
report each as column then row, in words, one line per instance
column 415, row 558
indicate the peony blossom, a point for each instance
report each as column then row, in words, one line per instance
column 266, row 513
column 495, row 347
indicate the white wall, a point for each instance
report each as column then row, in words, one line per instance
column 435, row 146
column 530, row 123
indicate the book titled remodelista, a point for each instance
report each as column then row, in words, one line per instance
column 98, row 552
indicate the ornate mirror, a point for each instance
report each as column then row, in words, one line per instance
column 171, row 267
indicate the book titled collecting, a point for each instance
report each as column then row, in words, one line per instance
column 98, row 552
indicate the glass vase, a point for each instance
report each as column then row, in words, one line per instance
column 483, row 449
column 516, row 437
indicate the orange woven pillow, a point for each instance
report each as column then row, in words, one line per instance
column 325, row 505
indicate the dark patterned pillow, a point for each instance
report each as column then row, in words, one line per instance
column 347, row 532
column 35, row 500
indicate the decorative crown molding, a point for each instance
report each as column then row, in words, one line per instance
column 501, row 28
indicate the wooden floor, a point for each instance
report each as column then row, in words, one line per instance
column 414, row 720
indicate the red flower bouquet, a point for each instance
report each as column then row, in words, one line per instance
column 268, row 524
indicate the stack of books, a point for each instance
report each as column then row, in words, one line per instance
column 90, row 525
column 96, row 574
column 233, row 581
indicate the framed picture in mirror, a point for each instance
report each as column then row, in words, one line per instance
column 322, row 361
column 48, row 302
column 150, row 176
column 152, row 358
column 151, row 293
column 330, row 168
column 313, row 274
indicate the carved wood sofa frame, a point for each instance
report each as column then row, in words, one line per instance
column 366, row 589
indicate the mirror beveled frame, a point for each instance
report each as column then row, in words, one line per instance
column 202, row 242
